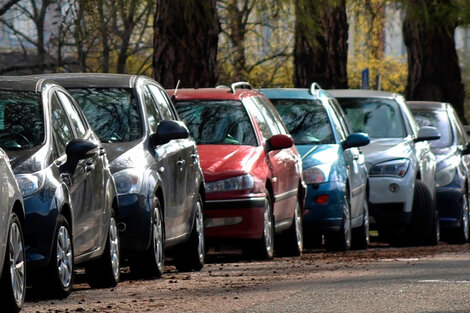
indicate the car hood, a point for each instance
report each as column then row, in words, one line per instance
column 122, row 155
column 318, row 154
column 446, row 156
column 29, row 160
column 383, row 149
column 224, row 161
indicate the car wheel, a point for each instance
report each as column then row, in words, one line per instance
column 360, row 239
column 461, row 234
column 57, row 279
column 13, row 282
column 290, row 243
column 191, row 256
column 423, row 216
column 341, row 241
column 105, row 272
column 435, row 235
column 152, row 262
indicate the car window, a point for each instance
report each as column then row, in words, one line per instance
column 163, row 102
column 380, row 118
column 112, row 112
column 438, row 119
column 60, row 124
column 268, row 115
column 153, row 116
column 461, row 134
column 306, row 120
column 267, row 130
column 21, row 120
column 77, row 123
column 217, row 122
column 340, row 114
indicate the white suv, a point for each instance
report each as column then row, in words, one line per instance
column 400, row 163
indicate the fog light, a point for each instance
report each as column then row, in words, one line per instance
column 394, row 188
column 323, row 199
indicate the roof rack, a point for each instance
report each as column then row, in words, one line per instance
column 240, row 85
column 315, row 88
column 221, row 87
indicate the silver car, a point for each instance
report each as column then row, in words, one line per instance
column 400, row 163
column 12, row 255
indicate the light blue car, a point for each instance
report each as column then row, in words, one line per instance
column 333, row 166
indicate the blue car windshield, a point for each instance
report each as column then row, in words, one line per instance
column 438, row 119
column 217, row 122
column 380, row 118
column 21, row 120
column 306, row 120
column 111, row 112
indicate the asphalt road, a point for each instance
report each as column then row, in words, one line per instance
column 382, row 279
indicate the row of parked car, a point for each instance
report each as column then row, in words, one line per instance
column 103, row 168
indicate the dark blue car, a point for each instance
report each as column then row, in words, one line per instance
column 333, row 166
column 452, row 174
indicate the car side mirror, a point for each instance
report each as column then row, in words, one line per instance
column 167, row 131
column 427, row 133
column 356, row 140
column 466, row 150
column 278, row 142
column 76, row 150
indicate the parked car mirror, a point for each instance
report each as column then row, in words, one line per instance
column 356, row 140
column 466, row 150
column 428, row 133
column 280, row 141
column 76, row 150
column 168, row 130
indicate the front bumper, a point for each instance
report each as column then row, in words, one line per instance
column 234, row 218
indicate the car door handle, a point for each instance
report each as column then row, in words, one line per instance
column 356, row 157
column 195, row 157
column 180, row 163
column 90, row 166
column 102, row 151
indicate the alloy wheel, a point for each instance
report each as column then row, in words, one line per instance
column 64, row 257
column 17, row 263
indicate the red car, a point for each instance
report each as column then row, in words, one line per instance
column 252, row 170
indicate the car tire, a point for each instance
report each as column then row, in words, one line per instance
column 13, row 282
column 290, row 242
column 105, row 272
column 435, row 235
column 152, row 262
column 360, row 235
column 423, row 216
column 57, row 279
column 341, row 240
column 461, row 234
column 191, row 256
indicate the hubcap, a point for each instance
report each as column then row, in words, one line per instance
column 17, row 264
column 347, row 225
column 366, row 223
column 268, row 242
column 298, row 227
column 158, row 238
column 114, row 247
column 200, row 231
column 465, row 219
column 64, row 257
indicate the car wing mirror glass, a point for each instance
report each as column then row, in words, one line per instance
column 76, row 150
column 278, row 142
column 356, row 140
column 428, row 133
column 167, row 131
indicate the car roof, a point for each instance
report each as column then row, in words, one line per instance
column 428, row 105
column 294, row 93
column 22, row 83
column 220, row 93
column 361, row 93
column 88, row 80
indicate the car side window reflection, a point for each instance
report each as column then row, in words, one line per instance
column 60, row 124
column 77, row 122
column 153, row 117
column 163, row 105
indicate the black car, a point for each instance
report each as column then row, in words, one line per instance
column 155, row 165
column 69, row 193
column 452, row 175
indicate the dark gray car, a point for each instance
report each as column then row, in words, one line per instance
column 155, row 165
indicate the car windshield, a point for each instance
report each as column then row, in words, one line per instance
column 217, row 122
column 380, row 118
column 438, row 119
column 111, row 112
column 21, row 120
column 306, row 120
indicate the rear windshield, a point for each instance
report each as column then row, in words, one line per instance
column 380, row 118
column 21, row 120
column 438, row 119
column 306, row 120
column 217, row 122
column 111, row 112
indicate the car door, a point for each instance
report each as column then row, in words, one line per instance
column 188, row 161
column 168, row 163
column 80, row 190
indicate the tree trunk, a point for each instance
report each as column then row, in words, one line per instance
column 433, row 66
column 185, row 43
column 321, row 49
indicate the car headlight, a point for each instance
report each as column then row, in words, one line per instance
column 30, row 183
column 317, row 174
column 128, row 181
column 243, row 182
column 396, row 168
column 445, row 176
